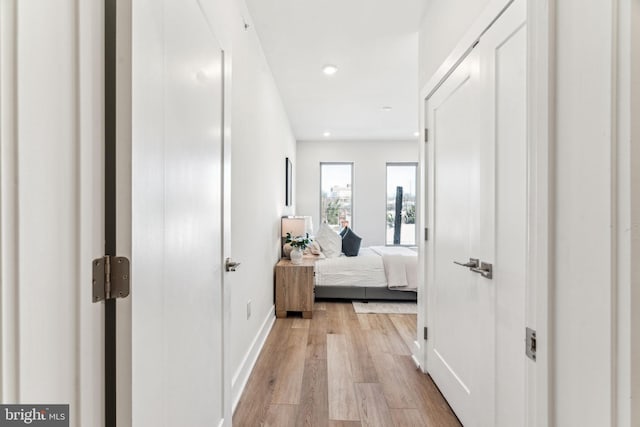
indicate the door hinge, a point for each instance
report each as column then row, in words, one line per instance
column 426, row 234
column 110, row 278
column 426, row 135
column 531, row 344
column 426, row 333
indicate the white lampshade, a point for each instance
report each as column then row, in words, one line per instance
column 296, row 225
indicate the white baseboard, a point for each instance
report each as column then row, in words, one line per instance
column 416, row 356
column 239, row 380
column 416, row 362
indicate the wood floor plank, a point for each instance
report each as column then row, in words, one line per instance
column 377, row 342
column 374, row 411
column 317, row 342
column 432, row 406
column 338, row 423
column 341, row 391
column 314, row 402
column 405, row 324
column 373, row 320
column 289, row 379
column 363, row 319
column 395, row 384
column 392, row 337
column 337, row 313
column 362, row 368
column 300, row 323
column 280, row 416
column 407, row 418
column 334, row 324
column 319, row 306
column 256, row 398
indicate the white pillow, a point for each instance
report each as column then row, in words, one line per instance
column 329, row 241
column 314, row 248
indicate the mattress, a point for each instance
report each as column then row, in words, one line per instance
column 364, row 270
column 374, row 267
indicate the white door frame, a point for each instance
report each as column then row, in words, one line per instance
column 626, row 172
column 51, row 116
column 9, row 285
column 123, row 207
column 540, row 126
column 634, row 179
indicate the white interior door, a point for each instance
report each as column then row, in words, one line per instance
column 459, row 312
column 479, row 193
column 177, row 294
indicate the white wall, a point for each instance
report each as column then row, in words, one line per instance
column 445, row 22
column 261, row 139
column 369, row 181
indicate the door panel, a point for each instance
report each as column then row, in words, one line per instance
column 456, row 120
column 177, row 311
column 478, row 117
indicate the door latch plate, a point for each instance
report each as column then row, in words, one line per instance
column 531, row 344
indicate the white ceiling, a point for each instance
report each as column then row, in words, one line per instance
column 374, row 43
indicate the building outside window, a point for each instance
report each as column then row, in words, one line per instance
column 401, row 204
column 336, row 194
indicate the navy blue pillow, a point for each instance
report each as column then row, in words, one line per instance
column 344, row 231
column 351, row 243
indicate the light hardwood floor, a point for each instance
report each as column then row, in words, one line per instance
column 341, row 369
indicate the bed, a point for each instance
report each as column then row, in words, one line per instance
column 378, row 272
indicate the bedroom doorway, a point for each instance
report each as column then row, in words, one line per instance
column 477, row 257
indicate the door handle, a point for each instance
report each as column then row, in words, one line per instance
column 485, row 270
column 472, row 263
column 231, row 265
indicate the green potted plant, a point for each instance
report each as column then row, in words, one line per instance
column 299, row 244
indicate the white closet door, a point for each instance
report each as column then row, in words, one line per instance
column 460, row 342
column 479, row 193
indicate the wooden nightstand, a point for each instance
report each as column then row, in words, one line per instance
column 294, row 287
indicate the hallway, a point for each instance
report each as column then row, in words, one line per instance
column 341, row 369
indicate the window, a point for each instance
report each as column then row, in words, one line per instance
column 336, row 194
column 401, row 203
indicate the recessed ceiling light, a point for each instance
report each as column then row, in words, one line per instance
column 386, row 108
column 329, row 69
column 326, row 134
column 416, row 133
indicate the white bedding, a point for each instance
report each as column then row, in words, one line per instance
column 366, row 269
column 376, row 266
